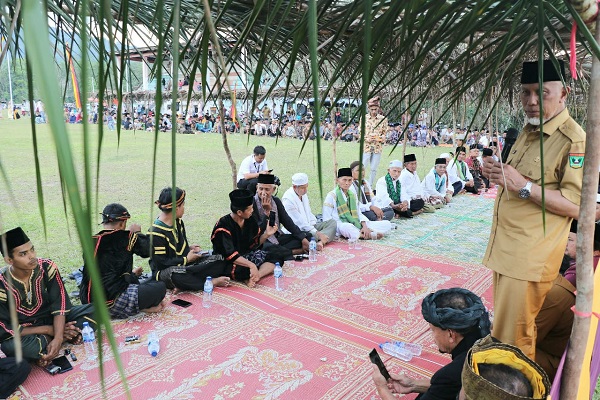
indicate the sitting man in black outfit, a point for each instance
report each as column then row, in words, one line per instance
column 114, row 249
column 264, row 203
column 457, row 319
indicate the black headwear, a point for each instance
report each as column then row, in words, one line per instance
column 267, row 179
column 530, row 71
column 114, row 212
column 488, row 152
column 344, row 172
column 409, row 158
column 14, row 238
column 165, row 198
column 450, row 318
column 440, row 160
column 241, row 198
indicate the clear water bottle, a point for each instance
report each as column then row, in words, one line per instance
column 89, row 341
column 208, row 292
column 153, row 344
column 312, row 250
column 278, row 273
column 401, row 350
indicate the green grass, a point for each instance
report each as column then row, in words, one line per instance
column 126, row 173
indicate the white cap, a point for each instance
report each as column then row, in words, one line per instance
column 299, row 179
column 395, row 164
column 444, row 155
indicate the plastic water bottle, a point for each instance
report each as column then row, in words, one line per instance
column 153, row 344
column 312, row 250
column 401, row 350
column 89, row 341
column 278, row 273
column 208, row 292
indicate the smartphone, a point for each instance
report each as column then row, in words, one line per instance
column 270, row 171
column 375, row 359
column 272, row 218
column 132, row 339
column 61, row 363
column 181, row 303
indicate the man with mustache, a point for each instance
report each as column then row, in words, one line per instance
column 524, row 255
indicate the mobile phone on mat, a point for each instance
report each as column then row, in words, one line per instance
column 181, row 303
column 375, row 359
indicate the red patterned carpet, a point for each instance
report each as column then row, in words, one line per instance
column 310, row 341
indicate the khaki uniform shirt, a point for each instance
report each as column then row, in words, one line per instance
column 518, row 246
column 376, row 130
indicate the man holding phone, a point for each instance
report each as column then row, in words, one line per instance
column 457, row 319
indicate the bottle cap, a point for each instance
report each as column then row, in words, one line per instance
column 208, row 278
column 154, row 354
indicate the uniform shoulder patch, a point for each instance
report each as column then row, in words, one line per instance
column 576, row 160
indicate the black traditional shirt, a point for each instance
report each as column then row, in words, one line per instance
column 37, row 301
column 231, row 241
column 114, row 250
column 169, row 245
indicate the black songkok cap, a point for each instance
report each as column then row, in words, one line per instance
column 14, row 238
column 440, row 160
column 409, row 158
column 114, row 212
column 530, row 71
column 460, row 148
column 344, row 172
column 241, row 198
column 473, row 146
column 267, row 179
column 488, row 152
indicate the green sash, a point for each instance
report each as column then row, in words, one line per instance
column 347, row 211
column 462, row 170
column 393, row 193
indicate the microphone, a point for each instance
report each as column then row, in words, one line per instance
column 509, row 141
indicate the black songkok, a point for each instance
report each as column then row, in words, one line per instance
column 530, row 71
column 114, row 212
column 344, row 172
column 488, row 152
column 241, row 198
column 440, row 160
column 474, row 315
column 409, row 158
column 14, row 238
column 267, row 179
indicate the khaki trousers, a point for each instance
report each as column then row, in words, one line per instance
column 516, row 305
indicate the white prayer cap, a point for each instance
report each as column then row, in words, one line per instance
column 299, row 179
column 395, row 164
column 444, row 155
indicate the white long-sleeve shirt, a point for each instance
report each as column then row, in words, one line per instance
column 299, row 211
column 383, row 199
column 411, row 185
column 330, row 207
column 429, row 184
column 453, row 172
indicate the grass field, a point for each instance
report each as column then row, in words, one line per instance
column 126, row 177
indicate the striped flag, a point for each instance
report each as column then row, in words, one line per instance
column 232, row 112
column 76, row 92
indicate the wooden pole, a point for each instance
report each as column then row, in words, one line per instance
column 585, row 240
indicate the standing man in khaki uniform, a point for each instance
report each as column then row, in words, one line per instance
column 524, row 256
column 376, row 126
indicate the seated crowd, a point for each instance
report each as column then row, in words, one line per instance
column 260, row 230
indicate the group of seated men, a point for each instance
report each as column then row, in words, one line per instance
column 245, row 248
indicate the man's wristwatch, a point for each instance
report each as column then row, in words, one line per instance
column 525, row 192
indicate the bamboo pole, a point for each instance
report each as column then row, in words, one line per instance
column 585, row 240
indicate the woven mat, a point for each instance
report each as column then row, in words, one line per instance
column 309, row 341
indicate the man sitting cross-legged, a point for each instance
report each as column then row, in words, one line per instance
column 435, row 185
column 174, row 262
column 459, row 174
column 457, row 319
column 114, row 249
column 45, row 316
column 365, row 197
column 238, row 238
column 265, row 203
column 295, row 201
column 389, row 191
column 411, row 186
column 341, row 205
